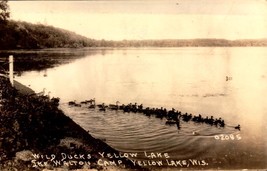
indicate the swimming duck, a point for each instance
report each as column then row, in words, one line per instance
column 72, row 102
column 238, row 127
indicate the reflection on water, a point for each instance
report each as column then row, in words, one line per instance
column 41, row 59
column 192, row 80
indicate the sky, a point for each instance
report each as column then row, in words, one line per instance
column 132, row 19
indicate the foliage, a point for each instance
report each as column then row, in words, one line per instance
column 23, row 35
column 4, row 11
column 34, row 124
column 184, row 43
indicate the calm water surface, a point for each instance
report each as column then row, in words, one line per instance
column 191, row 80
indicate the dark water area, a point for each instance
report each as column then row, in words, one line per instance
column 38, row 60
column 221, row 82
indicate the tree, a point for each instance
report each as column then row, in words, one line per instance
column 4, row 11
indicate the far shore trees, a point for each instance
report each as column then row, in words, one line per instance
column 24, row 35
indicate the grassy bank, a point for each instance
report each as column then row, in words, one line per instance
column 34, row 134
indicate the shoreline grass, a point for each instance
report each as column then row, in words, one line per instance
column 34, row 125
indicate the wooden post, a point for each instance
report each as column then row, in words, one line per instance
column 11, row 70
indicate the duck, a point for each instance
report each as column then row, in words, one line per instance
column 41, row 93
column 195, row 133
column 77, row 105
column 228, row 78
column 238, row 127
column 92, row 106
column 222, row 124
column 71, row 103
column 91, row 101
column 114, row 106
column 102, row 107
column 48, row 95
column 84, row 102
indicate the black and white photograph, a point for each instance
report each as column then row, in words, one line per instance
column 128, row 85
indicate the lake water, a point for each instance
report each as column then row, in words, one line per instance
column 191, row 80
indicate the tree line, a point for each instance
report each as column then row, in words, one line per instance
column 23, row 35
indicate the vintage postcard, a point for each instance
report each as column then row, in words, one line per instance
column 133, row 85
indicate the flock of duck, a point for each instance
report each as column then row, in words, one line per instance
column 172, row 116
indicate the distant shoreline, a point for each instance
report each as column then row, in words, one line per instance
column 117, row 48
column 23, row 35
